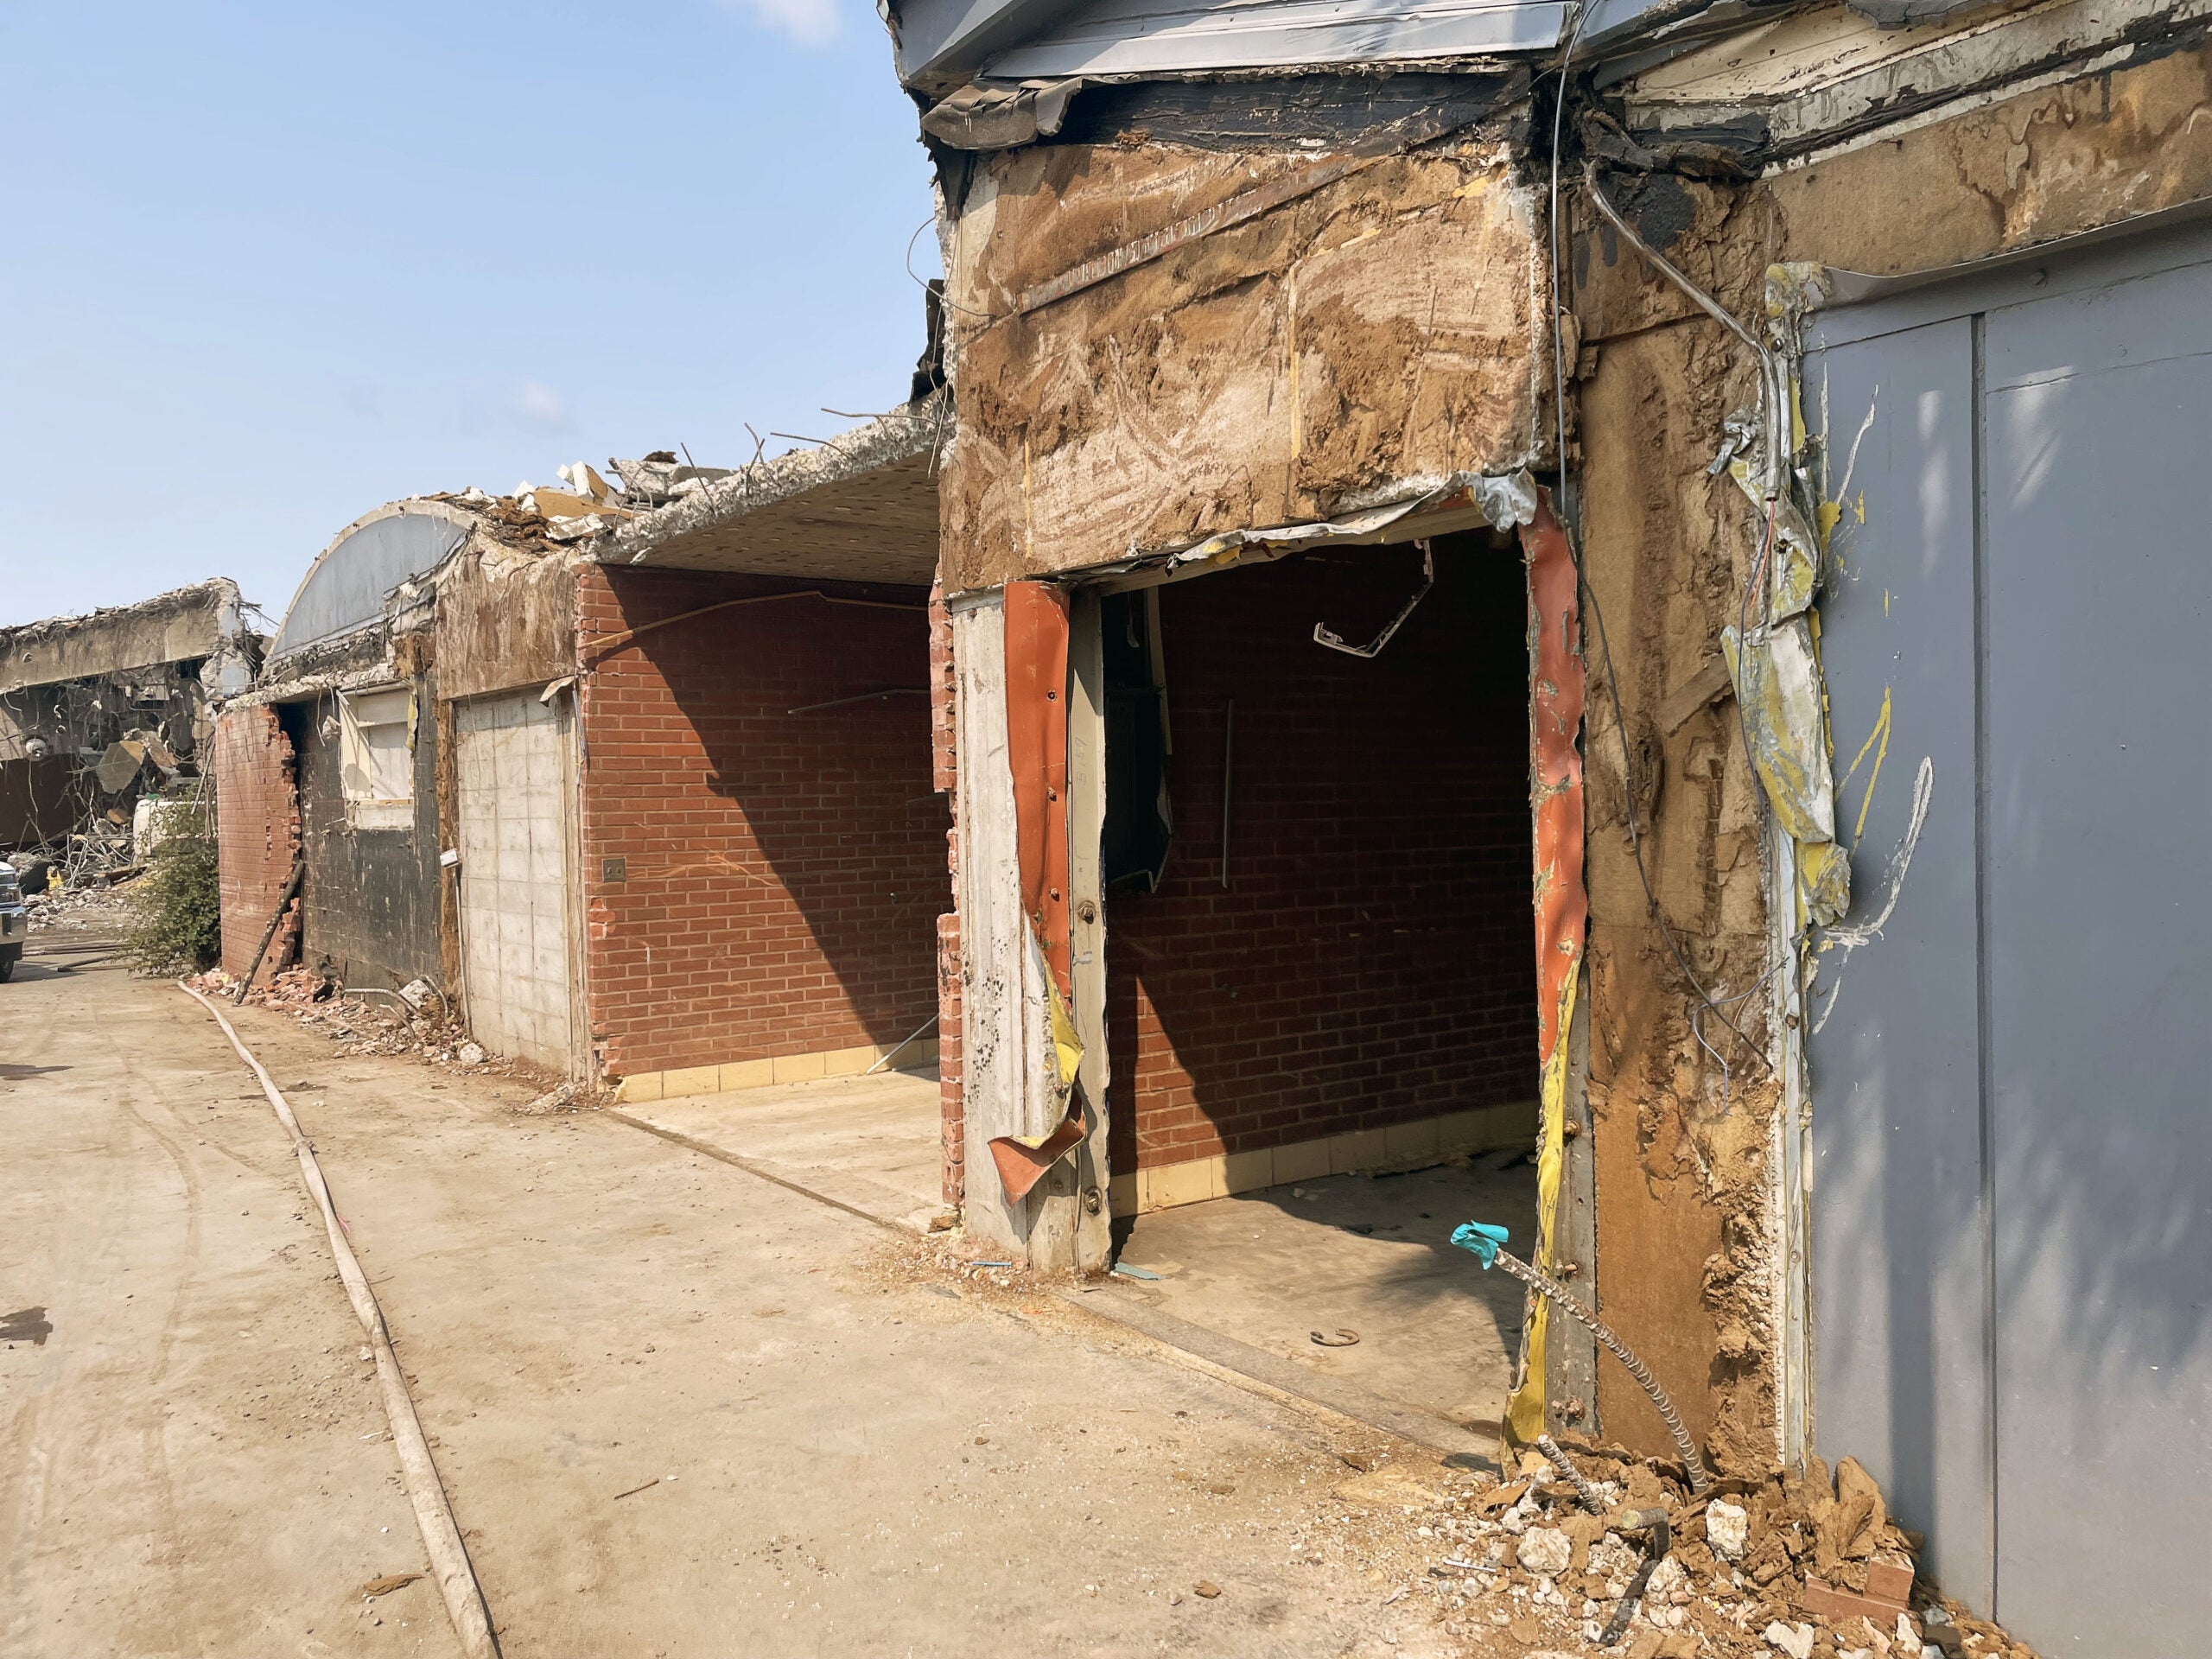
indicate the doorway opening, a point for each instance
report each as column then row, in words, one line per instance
column 1321, row 983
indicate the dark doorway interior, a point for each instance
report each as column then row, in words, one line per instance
column 1321, row 974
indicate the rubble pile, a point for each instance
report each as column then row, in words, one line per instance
column 415, row 1020
column 1810, row 1569
column 95, row 903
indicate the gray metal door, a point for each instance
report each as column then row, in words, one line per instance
column 2012, row 1031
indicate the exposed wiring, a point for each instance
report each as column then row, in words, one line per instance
column 1582, row 580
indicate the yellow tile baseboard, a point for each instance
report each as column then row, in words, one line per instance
column 1401, row 1146
column 640, row 1086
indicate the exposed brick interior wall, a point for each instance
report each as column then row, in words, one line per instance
column 1371, row 961
column 944, row 778
column 781, row 875
column 256, row 833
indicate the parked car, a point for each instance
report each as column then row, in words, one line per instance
column 15, row 921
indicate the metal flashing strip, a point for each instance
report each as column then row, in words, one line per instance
column 1413, row 508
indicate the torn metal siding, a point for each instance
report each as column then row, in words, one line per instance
column 347, row 586
column 1807, row 82
column 1124, row 37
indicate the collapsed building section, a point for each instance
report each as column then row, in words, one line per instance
column 99, row 712
column 1847, row 309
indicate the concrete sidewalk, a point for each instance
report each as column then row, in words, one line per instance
column 679, row 1410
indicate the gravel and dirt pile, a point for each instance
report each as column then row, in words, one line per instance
column 416, row 1021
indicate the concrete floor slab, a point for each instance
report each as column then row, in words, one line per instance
column 872, row 1143
column 1368, row 1254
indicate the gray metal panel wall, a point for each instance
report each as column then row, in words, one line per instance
column 2012, row 1071
column 1899, row 1316
column 2098, row 452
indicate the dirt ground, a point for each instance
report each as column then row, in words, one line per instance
column 683, row 1404
column 678, row 1410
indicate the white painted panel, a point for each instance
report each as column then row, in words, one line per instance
column 995, row 994
column 1154, row 36
column 512, row 770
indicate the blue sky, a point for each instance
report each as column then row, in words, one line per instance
column 268, row 266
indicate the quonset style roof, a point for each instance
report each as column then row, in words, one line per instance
column 343, row 589
column 944, row 44
column 861, row 508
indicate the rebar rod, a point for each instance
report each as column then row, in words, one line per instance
column 1591, row 1499
column 1545, row 1285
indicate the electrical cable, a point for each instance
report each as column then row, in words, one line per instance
column 1590, row 594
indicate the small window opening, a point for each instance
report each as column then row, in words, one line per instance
column 377, row 758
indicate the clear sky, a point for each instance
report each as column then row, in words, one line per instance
column 267, row 266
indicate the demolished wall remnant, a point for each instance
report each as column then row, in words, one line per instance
column 258, row 834
column 1369, row 332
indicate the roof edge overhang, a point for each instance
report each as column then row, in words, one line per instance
column 862, row 507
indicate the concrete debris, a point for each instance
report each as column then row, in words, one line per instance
column 1545, row 1551
column 660, row 477
column 1727, row 1527
column 95, row 901
column 1795, row 1640
column 1523, row 1555
column 366, row 1020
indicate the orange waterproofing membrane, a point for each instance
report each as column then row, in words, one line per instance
column 1036, row 750
column 1037, row 753
column 1555, row 703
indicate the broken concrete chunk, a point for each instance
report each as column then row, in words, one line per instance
column 1795, row 1640
column 1546, row 1551
column 471, row 1054
column 1727, row 1529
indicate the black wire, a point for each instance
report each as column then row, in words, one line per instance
column 1590, row 594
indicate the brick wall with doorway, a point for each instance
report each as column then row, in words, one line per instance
column 1370, row 962
column 760, row 883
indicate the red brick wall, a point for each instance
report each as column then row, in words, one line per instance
column 256, row 833
column 1371, row 961
column 784, row 872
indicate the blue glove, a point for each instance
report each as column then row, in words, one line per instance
column 1482, row 1238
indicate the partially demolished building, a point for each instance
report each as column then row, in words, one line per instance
column 99, row 711
column 1747, row 451
column 636, row 779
